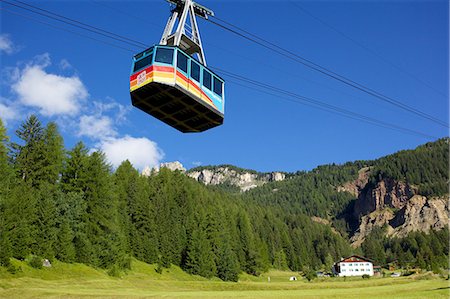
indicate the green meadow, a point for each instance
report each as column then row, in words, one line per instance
column 142, row 281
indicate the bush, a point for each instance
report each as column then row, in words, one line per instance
column 13, row 269
column 366, row 276
column 311, row 275
column 35, row 262
column 159, row 269
column 114, row 271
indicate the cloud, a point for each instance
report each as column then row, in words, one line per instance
column 197, row 163
column 65, row 65
column 141, row 152
column 111, row 105
column 96, row 127
column 8, row 112
column 50, row 93
column 6, row 45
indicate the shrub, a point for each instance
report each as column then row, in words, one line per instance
column 13, row 269
column 35, row 262
column 366, row 276
column 311, row 275
column 114, row 271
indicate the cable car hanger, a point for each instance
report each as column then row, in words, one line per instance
column 172, row 82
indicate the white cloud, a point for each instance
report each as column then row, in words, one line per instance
column 65, row 65
column 96, row 127
column 111, row 105
column 8, row 113
column 141, row 152
column 6, row 45
column 50, row 93
column 197, row 163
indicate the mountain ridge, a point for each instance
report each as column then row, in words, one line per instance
column 374, row 193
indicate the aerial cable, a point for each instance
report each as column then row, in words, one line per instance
column 321, row 105
column 316, row 103
column 295, row 57
column 362, row 119
column 66, row 30
column 75, row 23
column 359, row 44
column 134, row 17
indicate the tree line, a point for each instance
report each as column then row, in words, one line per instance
column 71, row 205
column 417, row 250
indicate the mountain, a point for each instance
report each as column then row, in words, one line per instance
column 405, row 192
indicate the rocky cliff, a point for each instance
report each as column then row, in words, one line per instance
column 397, row 206
column 244, row 179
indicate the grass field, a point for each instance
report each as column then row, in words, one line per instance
column 79, row 281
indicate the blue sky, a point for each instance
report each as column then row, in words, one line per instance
column 82, row 83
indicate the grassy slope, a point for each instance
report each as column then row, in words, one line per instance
column 76, row 280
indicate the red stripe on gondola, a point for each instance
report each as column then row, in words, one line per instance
column 152, row 68
column 190, row 82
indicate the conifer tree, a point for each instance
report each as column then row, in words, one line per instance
column 20, row 216
column 74, row 175
column 103, row 228
column 200, row 258
column 65, row 249
column 5, row 181
column 53, row 154
column 28, row 156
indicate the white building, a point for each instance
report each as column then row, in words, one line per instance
column 353, row 266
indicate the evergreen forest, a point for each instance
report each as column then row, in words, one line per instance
column 71, row 205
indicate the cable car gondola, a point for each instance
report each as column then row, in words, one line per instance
column 168, row 82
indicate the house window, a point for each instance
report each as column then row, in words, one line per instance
column 367, row 264
column 357, row 270
column 350, row 265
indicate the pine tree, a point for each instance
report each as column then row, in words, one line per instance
column 103, row 228
column 74, row 176
column 227, row 263
column 200, row 258
column 45, row 221
column 5, row 183
column 5, row 167
column 248, row 256
column 28, row 157
column 66, row 249
column 52, row 156
column 20, row 215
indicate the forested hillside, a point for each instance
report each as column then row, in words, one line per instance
column 70, row 205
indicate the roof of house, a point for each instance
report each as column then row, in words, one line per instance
column 357, row 257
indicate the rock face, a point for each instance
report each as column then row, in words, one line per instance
column 398, row 206
column 169, row 165
column 242, row 179
column 387, row 193
column 358, row 185
column 421, row 213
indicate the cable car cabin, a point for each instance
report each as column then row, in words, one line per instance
column 172, row 86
